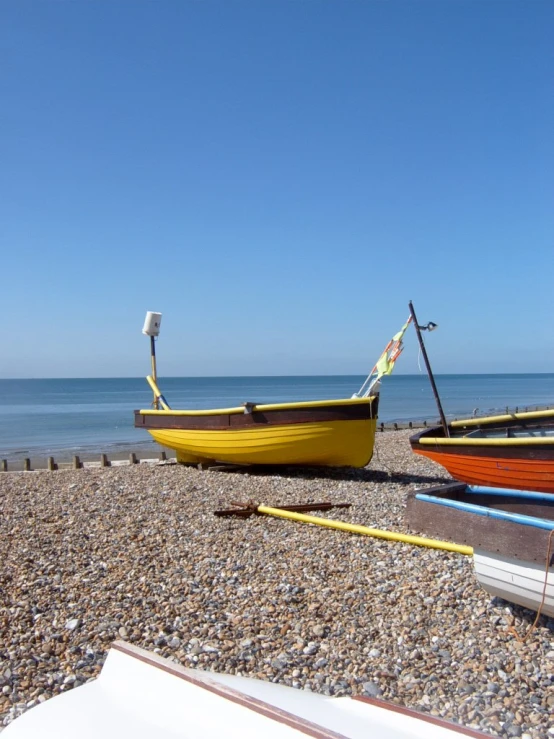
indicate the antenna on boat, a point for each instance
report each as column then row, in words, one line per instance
column 151, row 328
column 429, row 327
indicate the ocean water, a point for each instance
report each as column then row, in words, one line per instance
column 42, row 417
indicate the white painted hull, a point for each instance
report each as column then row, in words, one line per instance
column 140, row 695
column 515, row 581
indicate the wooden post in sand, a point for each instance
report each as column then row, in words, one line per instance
column 104, row 462
column 77, row 463
column 4, row 467
column 52, row 464
column 27, row 464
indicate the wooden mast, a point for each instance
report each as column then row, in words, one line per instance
column 429, row 371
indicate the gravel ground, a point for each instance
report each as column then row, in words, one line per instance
column 94, row 555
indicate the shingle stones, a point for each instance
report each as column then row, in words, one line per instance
column 93, row 555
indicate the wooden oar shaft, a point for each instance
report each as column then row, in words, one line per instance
column 364, row 530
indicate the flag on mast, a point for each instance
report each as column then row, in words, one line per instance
column 385, row 363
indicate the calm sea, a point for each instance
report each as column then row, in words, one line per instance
column 41, row 417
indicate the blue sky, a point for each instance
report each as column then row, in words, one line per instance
column 278, row 178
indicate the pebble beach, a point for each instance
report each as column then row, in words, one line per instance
column 136, row 553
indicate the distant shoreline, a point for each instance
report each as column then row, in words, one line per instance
column 359, row 375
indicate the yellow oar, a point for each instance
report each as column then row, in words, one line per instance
column 366, row 531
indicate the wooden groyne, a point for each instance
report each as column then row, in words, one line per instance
column 77, row 463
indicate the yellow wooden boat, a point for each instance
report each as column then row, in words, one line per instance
column 325, row 432
column 330, row 433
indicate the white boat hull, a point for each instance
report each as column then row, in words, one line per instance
column 515, row 580
column 141, row 695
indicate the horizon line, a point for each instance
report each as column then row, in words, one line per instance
column 220, row 377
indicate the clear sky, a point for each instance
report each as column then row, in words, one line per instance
column 278, row 178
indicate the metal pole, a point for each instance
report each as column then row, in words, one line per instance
column 429, row 371
column 153, row 355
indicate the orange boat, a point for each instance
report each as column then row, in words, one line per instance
column 514, row 450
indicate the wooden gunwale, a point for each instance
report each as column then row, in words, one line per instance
column 372, row 400
column 262, row 415
column 209, row 682
column 413, row 713
column 204, row 680
column 526, row 452
column 497, row 536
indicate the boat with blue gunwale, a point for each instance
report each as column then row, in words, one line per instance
column 511, row 532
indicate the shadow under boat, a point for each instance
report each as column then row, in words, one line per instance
column 364, row 474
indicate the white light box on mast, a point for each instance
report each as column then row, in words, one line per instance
column 152, row 323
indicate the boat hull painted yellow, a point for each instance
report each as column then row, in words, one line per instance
column 334, row 444
column 321, row 433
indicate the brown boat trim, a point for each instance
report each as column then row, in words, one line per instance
column 527, row 454
column 413, row 713
column 207, row 683
column 234, row 421
column 531, row 452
